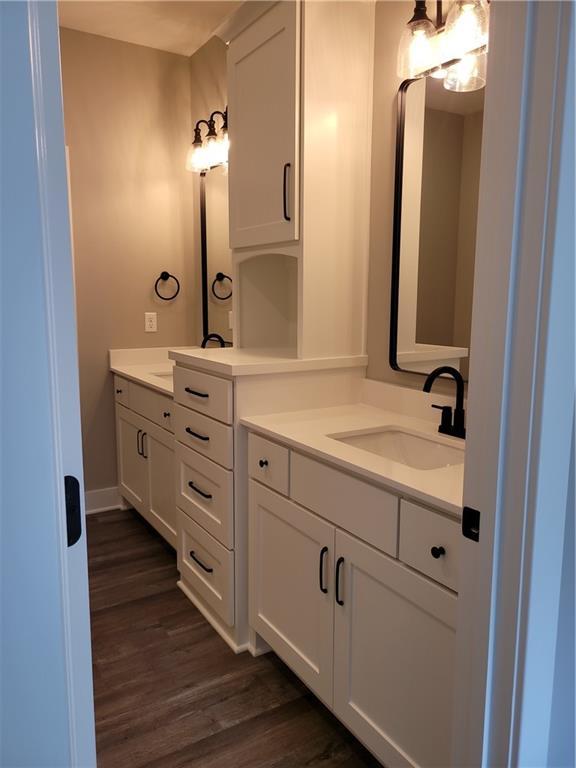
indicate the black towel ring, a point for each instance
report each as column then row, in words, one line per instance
column 163, row 277
column 212, row 337
column 220, row 277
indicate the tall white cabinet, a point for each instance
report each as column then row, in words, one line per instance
column 300, row 115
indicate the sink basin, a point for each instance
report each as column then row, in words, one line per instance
column 409, row 448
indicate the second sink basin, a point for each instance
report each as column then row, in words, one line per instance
column 405, row 447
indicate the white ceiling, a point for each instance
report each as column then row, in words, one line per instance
column 178, row 27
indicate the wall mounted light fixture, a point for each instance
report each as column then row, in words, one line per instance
column 213, row 149
column 454, row 51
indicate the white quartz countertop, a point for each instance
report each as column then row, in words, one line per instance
column 308, row 431
column 231, row 361
column 157, row 376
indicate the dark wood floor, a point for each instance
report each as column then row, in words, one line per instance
column 168, row 690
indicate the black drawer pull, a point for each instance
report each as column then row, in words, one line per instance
column 263, row 463
column 339, row 564
column 195, row 434
column 437, row 552
column 200, row 563
column 166, row 414
column 285, row 192
column 323, row 553
column 195, row 393
column 197, row 490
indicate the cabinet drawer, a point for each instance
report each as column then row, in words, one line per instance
column 360, row 508
column 421, row 531
column 205, row 491
column 204, row 393
column 269, row 463
column 209, row 437
column 121, row 391
column 152, row 405
column 206, row 567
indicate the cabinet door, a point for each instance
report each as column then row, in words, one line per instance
column 161, row 510
column 291, row 563
column 263, row 88
column 393, row 657
column 132, row 464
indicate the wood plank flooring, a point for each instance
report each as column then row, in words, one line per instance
column 169, row 693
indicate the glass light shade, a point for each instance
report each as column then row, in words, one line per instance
column 468, row 74
column 196, row 159
column 467, row 27
column 415, row 51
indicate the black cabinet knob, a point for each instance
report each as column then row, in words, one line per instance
column 166, row 414
column 263, row 463
column 437, row 552
column 118, row 391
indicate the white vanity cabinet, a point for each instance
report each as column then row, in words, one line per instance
column 264, row 89
column 146, row 454
column 371, row 636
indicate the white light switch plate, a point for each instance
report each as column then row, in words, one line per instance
column 150, row 322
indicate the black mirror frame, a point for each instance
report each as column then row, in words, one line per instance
column 397, row 229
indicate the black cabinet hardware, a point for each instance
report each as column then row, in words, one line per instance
column 263, row 463
column 437, row 552
column 118, row 391
column 166, row 414
column 471, row 523
column 73, row 509
column 195, row 393
column 285, row 191
column 140, row 452
column 198, row 491
column 339, row 564
column 196, row 435
column 323, row 553
column 144, row 451
column 200, row 563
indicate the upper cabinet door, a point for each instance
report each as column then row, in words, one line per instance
column 264, row 94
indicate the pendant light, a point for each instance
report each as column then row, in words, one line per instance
column 467, row 27
column 468, row 74
column 415, row 51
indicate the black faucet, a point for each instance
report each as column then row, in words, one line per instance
column 447, row 426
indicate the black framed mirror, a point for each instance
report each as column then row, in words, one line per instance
column 437, row 175
column 216, row 259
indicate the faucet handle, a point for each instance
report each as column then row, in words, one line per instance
column 446, row 420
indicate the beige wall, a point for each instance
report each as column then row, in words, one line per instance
column 128, row 126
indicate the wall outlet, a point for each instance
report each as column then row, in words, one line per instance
column 150, row 322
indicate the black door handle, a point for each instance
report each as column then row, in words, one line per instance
column 73, row 509
column 285, row 192
column 195, row 393
column 437, row 552
column 144, row 454
column 200, row 563
column 339, row 564
column 195, row 434
column 323, row 553
column 198, row 491
column 140, row 453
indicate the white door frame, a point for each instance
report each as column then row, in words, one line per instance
column 45, row 653
column 521, row 394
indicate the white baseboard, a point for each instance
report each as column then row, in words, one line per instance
column 103, row 500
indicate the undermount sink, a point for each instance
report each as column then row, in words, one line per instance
column 405, row 447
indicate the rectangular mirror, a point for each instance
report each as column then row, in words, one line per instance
column 216, row 256
column 438, row 148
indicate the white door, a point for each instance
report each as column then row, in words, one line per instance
column 132, row 461
column 393, row 657
column 291, row 585
column 45, row 660
column 264, row 93
column 161, row 510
